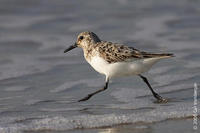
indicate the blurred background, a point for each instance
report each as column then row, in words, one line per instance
column 39, row 83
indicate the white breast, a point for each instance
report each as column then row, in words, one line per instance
column 99, row 64
column 119, row 69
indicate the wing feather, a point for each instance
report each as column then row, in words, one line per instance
column 114, row 52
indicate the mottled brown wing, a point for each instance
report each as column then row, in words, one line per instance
column 113, row 52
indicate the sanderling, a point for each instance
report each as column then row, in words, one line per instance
column 116, row 60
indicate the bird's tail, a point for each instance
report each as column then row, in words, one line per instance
column 156, row 55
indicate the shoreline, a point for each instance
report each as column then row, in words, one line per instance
column 183, row 125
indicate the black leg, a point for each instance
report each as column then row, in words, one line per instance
column 91, row 94
column 158, row 97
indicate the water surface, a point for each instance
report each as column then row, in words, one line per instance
column 39, row 84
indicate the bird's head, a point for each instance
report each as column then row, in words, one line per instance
column 84, row 40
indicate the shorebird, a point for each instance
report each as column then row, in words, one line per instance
column 116, row 60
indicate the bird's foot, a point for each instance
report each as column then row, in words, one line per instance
column 85, row 98
column 163, row 100
column 160, row 99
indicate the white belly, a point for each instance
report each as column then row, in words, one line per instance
column 119, row 69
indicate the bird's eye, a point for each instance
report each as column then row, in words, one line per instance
column 81, row 37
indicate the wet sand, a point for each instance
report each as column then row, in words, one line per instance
column 179, row 125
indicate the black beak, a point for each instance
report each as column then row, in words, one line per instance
column 70, row 48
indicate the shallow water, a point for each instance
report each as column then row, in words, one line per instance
column 39, row 84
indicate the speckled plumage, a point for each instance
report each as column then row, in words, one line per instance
column 112, row 52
